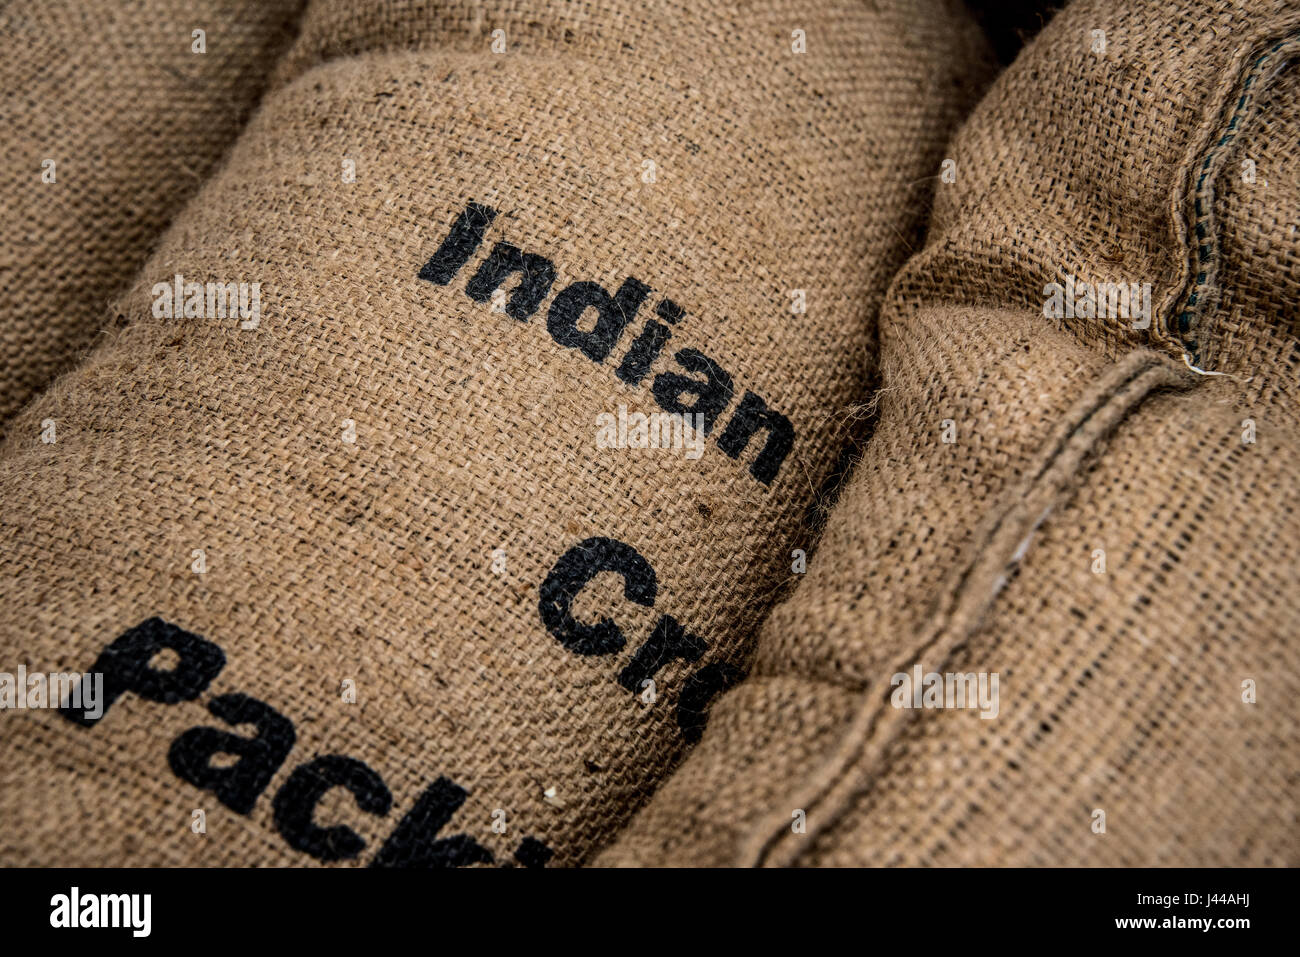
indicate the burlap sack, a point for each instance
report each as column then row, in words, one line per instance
column 361, row 580
column 1056, row 499
column 112, row 118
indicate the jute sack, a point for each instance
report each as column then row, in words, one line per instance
column 371, row 561
column 114, row 113
column 1053, row 497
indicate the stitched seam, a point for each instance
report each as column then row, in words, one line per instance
column 1086, row 426
column 1202, row 252
column 1106, row 404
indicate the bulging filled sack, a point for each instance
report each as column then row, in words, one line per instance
column 114, row 113
column 464, row 425
column 1051, row 619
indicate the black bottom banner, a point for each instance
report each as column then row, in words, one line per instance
column 261, row 908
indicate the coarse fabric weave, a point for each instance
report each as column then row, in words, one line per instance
column 1054, row 496
column 367, row 586
column 112, row 119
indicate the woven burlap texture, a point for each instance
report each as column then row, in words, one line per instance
column 701, row 149
column 1113, row 534
column 115, row 95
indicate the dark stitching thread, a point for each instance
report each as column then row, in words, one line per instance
column 1204, row 254
column 1099, row 413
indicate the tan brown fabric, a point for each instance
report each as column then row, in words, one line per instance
column 112, row 93
column 1059, row 500
column 392, row 472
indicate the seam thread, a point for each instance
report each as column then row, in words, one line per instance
column 1002, row 543
column 1193, row 200
column 996, row 550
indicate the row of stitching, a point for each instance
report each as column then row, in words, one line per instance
column 995, row 551
column 1193, row 201
column 834, row 785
